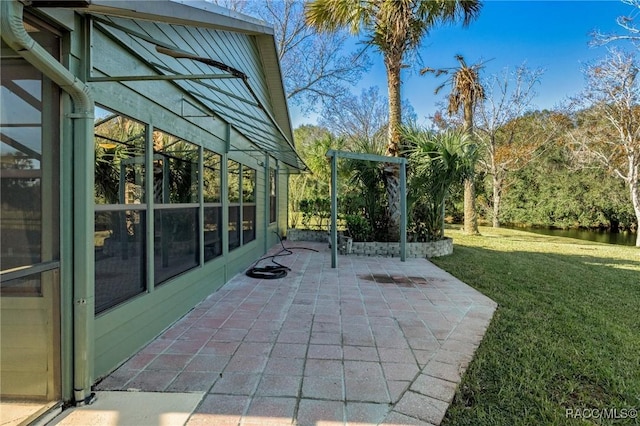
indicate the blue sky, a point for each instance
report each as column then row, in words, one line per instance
column 552, row 35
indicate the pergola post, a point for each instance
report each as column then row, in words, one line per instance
column 334, row 211
column 403, row 211
column 334, row 197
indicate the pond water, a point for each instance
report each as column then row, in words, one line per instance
column 622, row 238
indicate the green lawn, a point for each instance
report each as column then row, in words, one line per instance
column 566, row 334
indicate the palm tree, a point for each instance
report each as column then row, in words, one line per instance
column 466, row 92
column 437, row 160
column 394, row 27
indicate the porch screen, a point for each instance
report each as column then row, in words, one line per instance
column 120, row 209
column 242, row 204
column 233, row 172
column 211, row 179
column 175, row 194
column 272, row 196
column 248, row 204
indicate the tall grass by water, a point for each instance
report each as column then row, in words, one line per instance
column 564, row 343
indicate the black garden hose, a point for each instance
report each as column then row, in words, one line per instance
column 269, row 272
column 276, row 271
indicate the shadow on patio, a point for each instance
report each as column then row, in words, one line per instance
column 375, row 341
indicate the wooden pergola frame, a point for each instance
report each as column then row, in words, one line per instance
column 334, row 155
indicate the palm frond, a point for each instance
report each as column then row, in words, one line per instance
column 331, row 15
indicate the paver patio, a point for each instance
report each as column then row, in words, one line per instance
column 375, row 341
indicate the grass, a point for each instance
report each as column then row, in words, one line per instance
column 566, row 334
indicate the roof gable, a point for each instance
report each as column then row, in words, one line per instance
column 180, row 40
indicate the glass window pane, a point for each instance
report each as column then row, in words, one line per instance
column 212, row 232
column 211, row 177
column 211, row 180
column 29, row 170
column 119, row 235
column 248, row 207
column 176, row 242
column 233, row 174
column 248, row 184
column 21, row 153
column 119, row 241
column 248, row 223
column 234, row 227
column 21, row 229
column 175, row 169
column 272, row 195
column 120, row 158
column 233, row 169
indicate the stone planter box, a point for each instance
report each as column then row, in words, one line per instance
column 294, row 234
column 418, row 250
column 422, row 250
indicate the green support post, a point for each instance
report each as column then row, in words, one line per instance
column 403, row 211
column 334, row 210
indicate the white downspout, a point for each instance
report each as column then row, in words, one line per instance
column 15, row 35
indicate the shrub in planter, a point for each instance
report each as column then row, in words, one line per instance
column 359, row 228
column 319, row 208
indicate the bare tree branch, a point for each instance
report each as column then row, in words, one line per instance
column 509, row 133
column 625, row 22
column 363, row 117
column 235, row 5
column 316, row 67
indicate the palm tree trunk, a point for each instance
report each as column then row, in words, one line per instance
column 392, row 170
column 395, row 112
column 470, row 216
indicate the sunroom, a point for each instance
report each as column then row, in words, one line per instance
column 157, row 141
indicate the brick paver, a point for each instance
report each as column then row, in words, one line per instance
column 376, row 341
